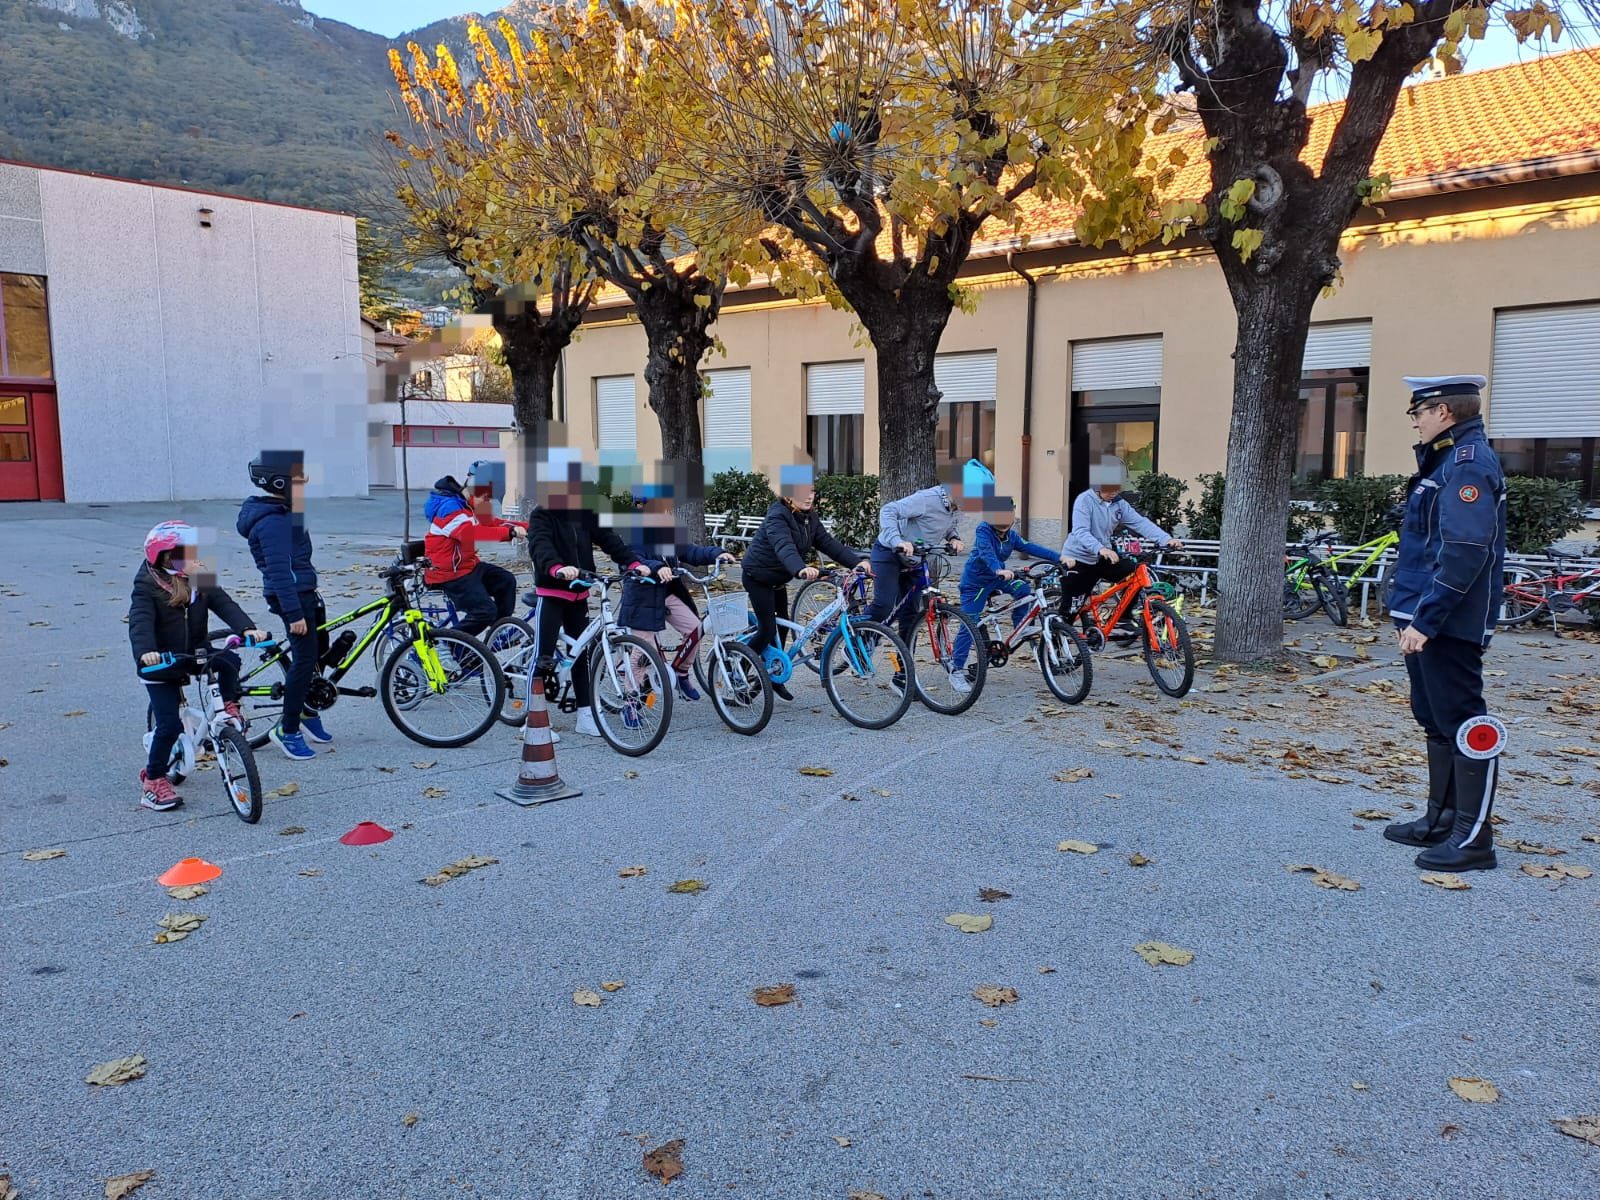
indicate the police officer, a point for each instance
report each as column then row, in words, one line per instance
column 1447, row 591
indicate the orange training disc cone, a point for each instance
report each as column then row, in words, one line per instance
column 368, row 833
column 189, row 871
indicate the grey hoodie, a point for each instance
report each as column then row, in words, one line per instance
column 928, row 515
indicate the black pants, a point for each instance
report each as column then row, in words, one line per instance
column 1079, row 581
column 572, row 616
column 768, row 602
column 890, row 582
column 166, row 704
column 482, row 596
column 305, row 652
column 1446, row 686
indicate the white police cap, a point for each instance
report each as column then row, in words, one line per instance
column 1437, row 387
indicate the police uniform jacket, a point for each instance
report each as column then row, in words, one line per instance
column 1449, row 574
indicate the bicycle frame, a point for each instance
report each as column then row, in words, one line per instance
column 1133, row 588
column 989, row 620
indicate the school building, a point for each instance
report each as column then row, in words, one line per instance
column 1484, row 259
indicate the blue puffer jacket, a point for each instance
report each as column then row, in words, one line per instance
column 989, row 554
column 282, row 549
column 1450, row 569
column 644, row 605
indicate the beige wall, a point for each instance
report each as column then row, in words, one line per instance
column 1430, row 289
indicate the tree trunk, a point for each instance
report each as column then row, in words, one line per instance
column 533, row 362
column 1274, row 317
column 677, row 331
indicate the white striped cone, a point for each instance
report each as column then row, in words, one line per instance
column 537, row 781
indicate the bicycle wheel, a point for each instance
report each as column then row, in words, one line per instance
column 1167, row 651
column 932, row 654
column 264, row 712
column 1333, row 598
column 864, row 668
column 740, row 689
column 1300, row 597
column 1525, row 598
column 807, row 603
column 631, row 693
column 1065, row 661
column 511, row 640
column 240, row 779
column 457, row 712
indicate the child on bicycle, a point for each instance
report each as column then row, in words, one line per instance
column 986, row 574
column 931, row 516
column 648, row 608
column 275, row 525
column 168, row 614
column 482, row 592
column 777, row 554
column 562, row 538
column 1097, row 514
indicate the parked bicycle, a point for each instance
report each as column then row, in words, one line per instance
column 1062, row 653
column 630, row 691
column 1310, row 582
column 208, row 728
column 440, row 687
column 1139, row 598
column 1529, row 595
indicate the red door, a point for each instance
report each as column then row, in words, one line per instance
column 30, row 445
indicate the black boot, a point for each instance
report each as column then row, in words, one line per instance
column 1470, row 846
column 1435, row 827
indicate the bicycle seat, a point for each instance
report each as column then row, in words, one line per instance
column 1558, row 553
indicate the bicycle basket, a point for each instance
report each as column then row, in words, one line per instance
column 729, row 614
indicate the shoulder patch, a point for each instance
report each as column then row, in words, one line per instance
column 1468, row 494
column 1464, row 453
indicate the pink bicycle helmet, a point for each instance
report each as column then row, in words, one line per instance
column 167, row 536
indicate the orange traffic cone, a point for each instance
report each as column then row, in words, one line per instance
column 367, row 833
column 187, row 872
column 537, row 781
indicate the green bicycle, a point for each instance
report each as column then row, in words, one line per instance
column 440, row 687
column 1298, row 586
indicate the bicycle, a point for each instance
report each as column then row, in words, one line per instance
column 416, row 683
column 1528, row 595
column 932, row 624
column 209, row 727
column 1063, row 655
column 1167, row 652
column 737, row 682
column 631, row 705
column 865, row 667
column 1310, row 583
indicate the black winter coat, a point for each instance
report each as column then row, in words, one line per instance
column 777, row 553
column 155, row 627
column 567, row 538
column 644, row 605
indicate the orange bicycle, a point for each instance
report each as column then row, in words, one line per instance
column 1139, row 599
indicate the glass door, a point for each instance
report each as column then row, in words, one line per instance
column 1128, row 431
column 30, row 447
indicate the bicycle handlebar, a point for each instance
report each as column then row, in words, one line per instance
column 170, row 659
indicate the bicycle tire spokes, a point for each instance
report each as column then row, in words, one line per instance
column 867, row 673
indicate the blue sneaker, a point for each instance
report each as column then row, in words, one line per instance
column 311, row 725
column 687, row 690
column 292, row 744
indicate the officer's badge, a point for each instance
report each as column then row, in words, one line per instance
column 1468, row 493
column 1464, row 453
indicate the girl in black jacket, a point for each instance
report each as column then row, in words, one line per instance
column 777, row 553
column 169, row 614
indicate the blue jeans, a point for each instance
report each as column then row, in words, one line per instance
column 305, row 651
column 166, row 704
column 973, row 601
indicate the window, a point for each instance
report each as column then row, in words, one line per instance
column 966, row 383
column 727, row 416
column 1331, row 441
column 616, row 413
column 472, row 437
column 446, row 435
column 420, row 437
column 1116, row 405
column 24, row 327
column 835, row 420
column 1577, row 459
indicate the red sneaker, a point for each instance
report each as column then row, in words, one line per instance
column 159, row 794
column 231, row 707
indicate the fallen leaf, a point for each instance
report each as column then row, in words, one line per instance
column 1521, row 847
column 1585, row 1129
column 1047, row 970
column 630, row 774
column 192, row 891
column 1078, row 847
column 121, row 1185
column 1449, row 1131
column 843, row 1141
column 816, row 770
column 1197, row 761
column 612, row 985
column 770, row 997
column 989, row 1024
column 7, row 1192
column 43, row 855
column 1591, row 837
column 310, row 873
column 388, row 770
column 287, row 789
column 584, row 998
column 291, row 830
column 1557, row 870
column 990, row 895
column 688, row 886
column 458, row 868
column 967, row 923
column 1325, row 878
column 433, row 793
column 1325, row 661
column 423, row 766
column 881, row 792
column 1374, row 814
column 1073, row 775
column 77, row 712
column 1156, row 953
column 849, row 796
column 994, row 995
column 117, row 1072
column 1474, row 1091
column 178, row 926
column 665, row 1162
column 1447, row 880
column 410, row 1119
column 1139, row 860
column 1359, row 1086
column 859, row 1195
column 632, row 872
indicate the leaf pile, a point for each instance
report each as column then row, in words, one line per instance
column 458, row 868
column 1556, row 870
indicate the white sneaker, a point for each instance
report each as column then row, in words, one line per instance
column 586, row 725
column 958, row 681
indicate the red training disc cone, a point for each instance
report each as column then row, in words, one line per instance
column 188, row 871
column 368, row 833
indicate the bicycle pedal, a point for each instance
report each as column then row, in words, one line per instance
column 366, row 693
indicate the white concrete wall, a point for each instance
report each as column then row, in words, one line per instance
column 181, row 351
column 428, row 463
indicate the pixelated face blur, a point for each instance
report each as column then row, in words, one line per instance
column 801, row 495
